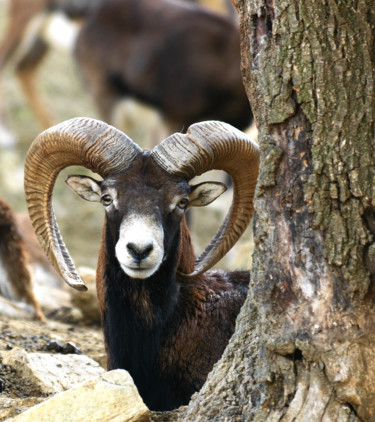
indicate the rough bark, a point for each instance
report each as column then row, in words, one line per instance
column 304, row 347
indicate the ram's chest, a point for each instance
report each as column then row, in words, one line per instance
column 187, row 354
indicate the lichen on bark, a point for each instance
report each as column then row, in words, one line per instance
column 271, row 156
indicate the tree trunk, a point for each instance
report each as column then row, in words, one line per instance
column 304, row 347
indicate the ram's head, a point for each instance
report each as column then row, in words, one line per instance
column 145, row 193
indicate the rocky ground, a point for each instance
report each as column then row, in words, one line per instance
column 50, row 337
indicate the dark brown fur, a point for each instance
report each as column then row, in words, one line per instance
column 100, row 270
column 16, row 260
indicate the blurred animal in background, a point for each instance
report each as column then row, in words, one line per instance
column 34, row 26
column 174, row 62
column 15, row 262
column 178, row 57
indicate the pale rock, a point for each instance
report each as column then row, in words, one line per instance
column 87, row 302
column 111, row 396
column 51, row 298
column 10, row 407
column 7, row 138
column 49, row 373
column 17, row 310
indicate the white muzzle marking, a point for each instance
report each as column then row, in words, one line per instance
column 140, row 248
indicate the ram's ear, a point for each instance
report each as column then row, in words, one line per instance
column 86, row 187
column 205, row 193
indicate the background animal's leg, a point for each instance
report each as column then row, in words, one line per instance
column 105, row 100
column 15, row 260
column 8, row 46
column 26, row 71
column 19, row 15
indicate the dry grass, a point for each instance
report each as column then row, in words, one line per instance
column 80, row 222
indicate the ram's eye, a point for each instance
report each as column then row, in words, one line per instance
column 183, row 203
column 106, row 200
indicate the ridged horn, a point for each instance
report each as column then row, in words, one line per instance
column 79, row 141
column 215, row 145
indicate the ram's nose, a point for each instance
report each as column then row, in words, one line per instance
column 139, row 252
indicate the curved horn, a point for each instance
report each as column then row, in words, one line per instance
column 208, row 146
column 80, row 141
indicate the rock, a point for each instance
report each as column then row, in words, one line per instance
column 7, row 138
column 51, row 298
column 66, row 314
column 17, row 310
column 111, row 396
column 10, row 407
column 87, row 302
column 65, row 349
column 51, row 374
